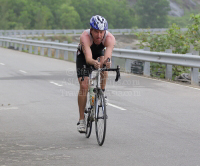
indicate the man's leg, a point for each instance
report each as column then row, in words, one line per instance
column 82, row 96
column 104, row 76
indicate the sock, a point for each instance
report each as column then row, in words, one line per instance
column 81, row 121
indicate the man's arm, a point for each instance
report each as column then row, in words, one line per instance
column 109, row 44
column 85, row 43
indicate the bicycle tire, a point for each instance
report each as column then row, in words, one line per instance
column 100, row 117
column 88, row 119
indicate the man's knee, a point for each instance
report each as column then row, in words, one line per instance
column 84, row 87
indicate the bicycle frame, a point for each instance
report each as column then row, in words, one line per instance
column 97, row 112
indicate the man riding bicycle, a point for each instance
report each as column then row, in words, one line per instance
column 92, row 45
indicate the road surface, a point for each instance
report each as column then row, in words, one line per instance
column 150, row 122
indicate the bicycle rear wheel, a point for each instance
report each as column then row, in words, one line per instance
column 100, row 117
column 88, row 118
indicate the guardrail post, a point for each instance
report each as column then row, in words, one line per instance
column 168, row 72
column 146, row 70
column 1, row 43
column 75, row 56
column 42, row 49
column 128, row 65
column 57, row 52
column 112, row 62
column 7, row 44
column 15, row 46
column 20, row 47
column 25, row 47
column 30, row 48
column 10, row 44
column 195, row 72
column 65, row 52
column 49, row 49
column 36, row 49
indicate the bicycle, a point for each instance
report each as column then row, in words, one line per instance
column 97, row 112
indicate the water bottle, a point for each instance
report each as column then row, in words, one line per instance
column 92, row 94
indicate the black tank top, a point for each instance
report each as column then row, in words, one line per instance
column 96, row 49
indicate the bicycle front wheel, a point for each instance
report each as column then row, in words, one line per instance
column 100, row 117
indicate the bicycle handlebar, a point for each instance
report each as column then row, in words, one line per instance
column 103, row 69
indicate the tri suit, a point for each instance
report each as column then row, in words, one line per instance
column 97, row 51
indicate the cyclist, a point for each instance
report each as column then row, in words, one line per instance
column 92, row 44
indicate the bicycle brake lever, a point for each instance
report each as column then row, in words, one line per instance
column 108, row 60
column 118, row 74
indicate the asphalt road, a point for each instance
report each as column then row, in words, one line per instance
column 150, row 122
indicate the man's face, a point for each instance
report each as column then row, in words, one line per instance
column 97, row 35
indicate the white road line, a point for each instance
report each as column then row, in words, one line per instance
column 8, row 108
column 55, row 83
column 112, row 105
column 2, row 64
column 22, row 71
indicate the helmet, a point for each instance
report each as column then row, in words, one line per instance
column 99, row 23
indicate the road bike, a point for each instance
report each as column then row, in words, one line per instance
column 95, row 110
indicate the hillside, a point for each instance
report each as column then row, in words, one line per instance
column 179, row 7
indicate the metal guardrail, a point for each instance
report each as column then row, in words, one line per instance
column 124, row 57
column 159, row 57
column 74, row 32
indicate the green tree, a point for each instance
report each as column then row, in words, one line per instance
column 24, row 19
column 152, row 13
column 9, row 13
column 68, row 14
column 179, row 41
column 69, row 18
column 193, row 32
column 117, row 12
column 54, row 7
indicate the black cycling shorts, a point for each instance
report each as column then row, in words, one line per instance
column 80, row 61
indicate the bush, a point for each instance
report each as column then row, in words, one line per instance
column 174, row 39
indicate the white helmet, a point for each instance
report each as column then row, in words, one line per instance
column 99, row 23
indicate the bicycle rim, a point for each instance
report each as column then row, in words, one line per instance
column 100, row 119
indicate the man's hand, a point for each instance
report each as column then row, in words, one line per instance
column 96, row 64
column 107, row 63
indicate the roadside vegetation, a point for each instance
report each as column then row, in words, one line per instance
column 180, row 42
